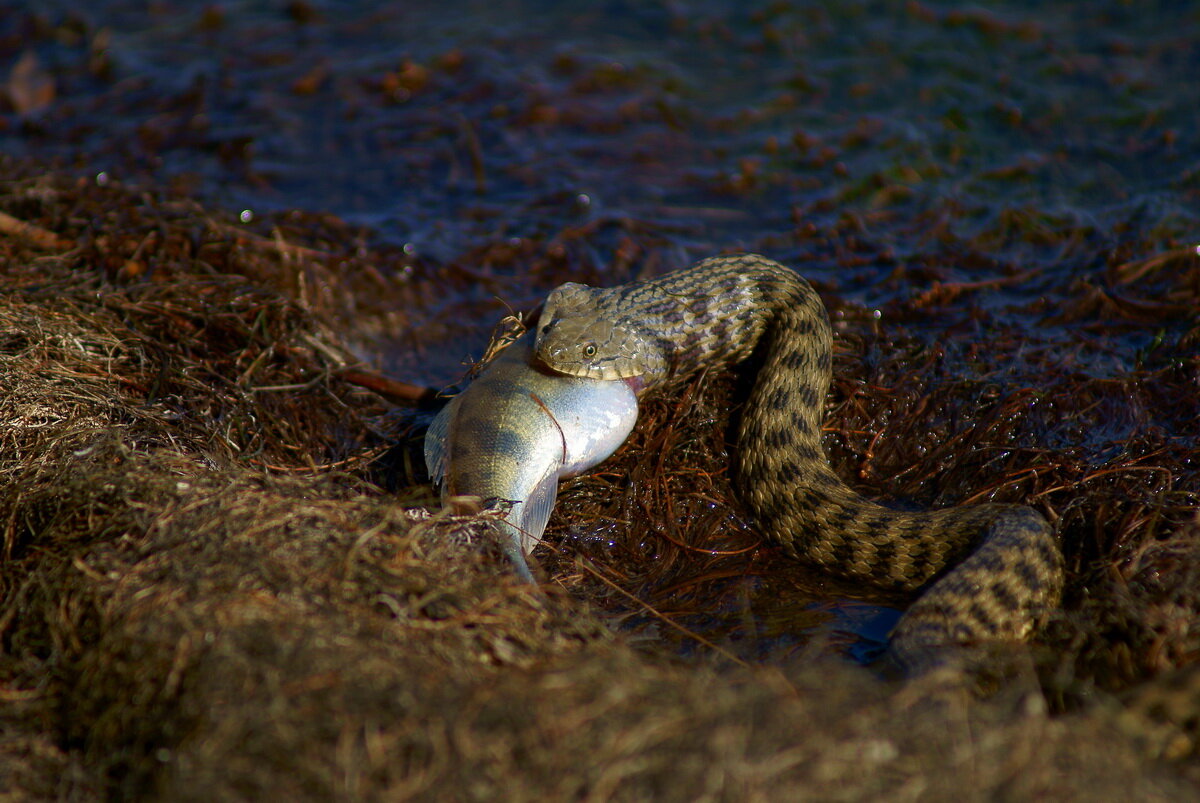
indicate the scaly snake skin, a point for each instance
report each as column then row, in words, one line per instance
column 989, row 572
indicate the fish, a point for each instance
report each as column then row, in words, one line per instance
column 519, row 429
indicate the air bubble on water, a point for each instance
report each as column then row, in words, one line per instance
column 102, row 178
column 246, row 216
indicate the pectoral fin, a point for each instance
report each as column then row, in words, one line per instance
column 532, row 514
column 436, row 453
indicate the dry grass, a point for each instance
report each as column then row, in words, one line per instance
column 204, row 595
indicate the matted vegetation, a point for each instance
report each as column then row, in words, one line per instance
column 207, row 595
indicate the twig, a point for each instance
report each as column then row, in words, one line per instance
column 1103, row 473
column 941, row 293
column 277, row 245
column 1129, row 272
column 475, row 150
column 43, row 238
column 316, row 467
column 711, row 552
column 585, row 564
column 393, row 390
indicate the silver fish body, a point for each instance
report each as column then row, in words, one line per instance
column 516, row 431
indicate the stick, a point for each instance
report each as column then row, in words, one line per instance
column 43, row 238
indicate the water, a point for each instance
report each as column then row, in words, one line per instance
column 441, row 124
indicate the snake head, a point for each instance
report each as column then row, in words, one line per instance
column 578, row 337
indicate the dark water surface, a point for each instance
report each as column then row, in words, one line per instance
column 949, row 175
column 446, row 124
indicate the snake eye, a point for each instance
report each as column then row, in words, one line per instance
column 589, row 350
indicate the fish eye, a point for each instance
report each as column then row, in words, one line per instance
column 589, row 350
column 546, row 328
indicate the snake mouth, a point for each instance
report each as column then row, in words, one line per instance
column 636, row 383
column 543, row 367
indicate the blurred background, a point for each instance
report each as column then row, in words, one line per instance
column 883, row 149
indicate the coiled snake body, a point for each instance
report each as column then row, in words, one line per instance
column 989, row 572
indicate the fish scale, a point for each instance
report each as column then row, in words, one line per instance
column 515, row 432
column 985, row 572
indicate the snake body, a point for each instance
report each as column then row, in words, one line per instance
column 987, row 572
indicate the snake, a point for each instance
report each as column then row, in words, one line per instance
column 980, row 573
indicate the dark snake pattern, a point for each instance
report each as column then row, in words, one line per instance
column 986, row 572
